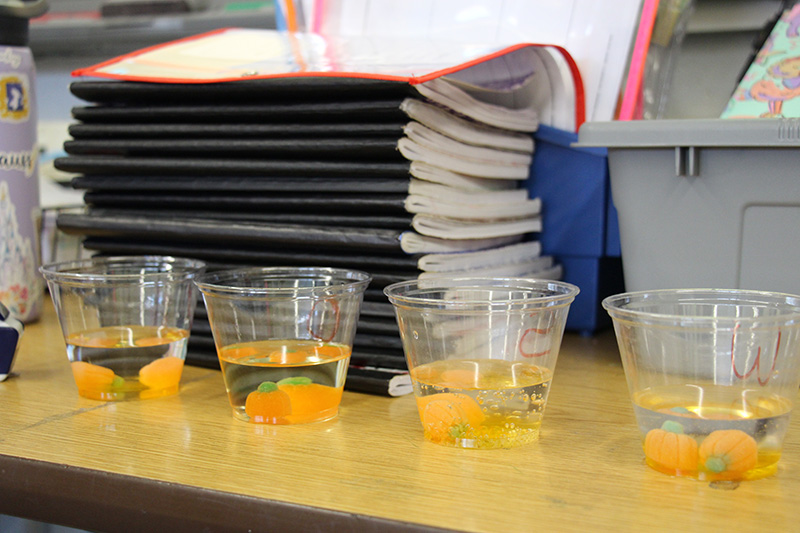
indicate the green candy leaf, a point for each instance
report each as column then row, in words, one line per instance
column 296, row 380
column 118, row 382
column 458, row 431
column 716, row 465
column 681, row 410
column 267, row 386
column 672, row 427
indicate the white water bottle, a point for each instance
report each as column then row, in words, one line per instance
column 21, row 287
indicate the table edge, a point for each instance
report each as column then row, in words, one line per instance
column 96, row 500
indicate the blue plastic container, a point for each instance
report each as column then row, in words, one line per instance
column 580, row 227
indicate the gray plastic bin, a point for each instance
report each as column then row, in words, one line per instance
column 705, row 203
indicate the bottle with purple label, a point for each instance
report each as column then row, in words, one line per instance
column 21, row 287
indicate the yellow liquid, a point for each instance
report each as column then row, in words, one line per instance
column 118, row 354
column 481, row 403
column 703, row 410
column 309, row 377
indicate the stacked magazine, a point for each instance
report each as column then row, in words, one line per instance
column 394, row 178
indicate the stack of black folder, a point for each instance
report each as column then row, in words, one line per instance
column 325, row 171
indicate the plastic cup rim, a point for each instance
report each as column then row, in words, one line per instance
column 635, row 315
column 73, row 270
column 210, row 282
column 521, row 283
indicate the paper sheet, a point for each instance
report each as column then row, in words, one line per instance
column 597, row 33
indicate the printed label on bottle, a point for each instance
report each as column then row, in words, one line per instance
column 14, row 94
column 21, row 287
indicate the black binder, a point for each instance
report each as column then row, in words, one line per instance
column 317, row 112
column 253, row 202
column 404, row 264
column 216, row 166
column 353, row 148
column 210, row 232
column 309, row 88
column 283, row 129
column 316, row 184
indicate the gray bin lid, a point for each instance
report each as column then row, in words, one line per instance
column 721, row 133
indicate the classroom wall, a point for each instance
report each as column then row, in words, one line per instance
column 717, row 46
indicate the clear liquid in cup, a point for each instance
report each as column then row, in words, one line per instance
column 127, row 362
column 737, row 434
column 286, row 381
column 481, row 403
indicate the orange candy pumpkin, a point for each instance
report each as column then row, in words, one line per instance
column 268, row 404
column 310, row 401
column 152, row 341
column 728, row 453
column 92, row 377
column 97, row 382
column 235, row 352
column 332, row 351
column 87, row 341
column 669, row 449
column 288, row 358
column 162, row 373
column 444, row 413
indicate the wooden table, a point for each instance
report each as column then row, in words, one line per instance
column 183, row 463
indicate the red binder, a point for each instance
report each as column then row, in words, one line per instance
column 533, row 77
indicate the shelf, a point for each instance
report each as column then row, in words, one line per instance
column 78, row 28
column 717, row 16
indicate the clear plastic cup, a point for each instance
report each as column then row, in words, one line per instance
column 284, row 336
column 481, row 353
column 126, row 322
column 713, row 375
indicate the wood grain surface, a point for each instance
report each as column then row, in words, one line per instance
column 185, row 461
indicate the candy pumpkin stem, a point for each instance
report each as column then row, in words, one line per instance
column 458, row 431
column 716, row 465
column 672, row 427
column 296, row 380
column 267, row 386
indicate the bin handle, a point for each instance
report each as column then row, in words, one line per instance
column 687, row 161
